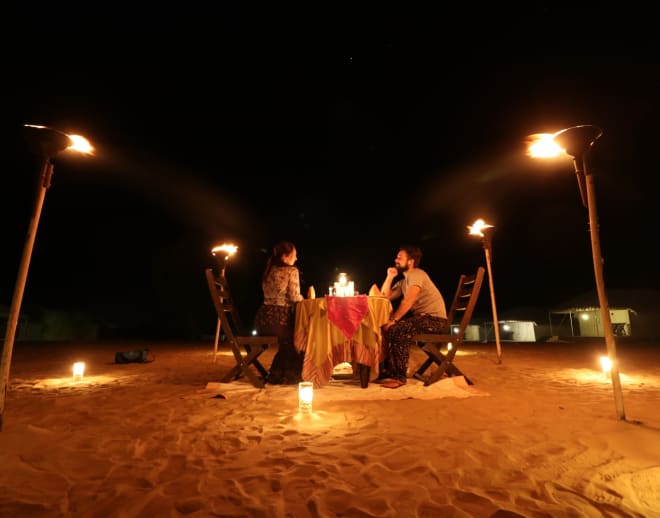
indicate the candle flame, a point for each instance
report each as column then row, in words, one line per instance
column 343, row 279
column 78, row 369
column 477, row 228
column 605, row 363
column 305, row 396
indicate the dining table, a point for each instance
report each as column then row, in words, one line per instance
column 332, row 330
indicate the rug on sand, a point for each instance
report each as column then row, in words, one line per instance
column 349, row 389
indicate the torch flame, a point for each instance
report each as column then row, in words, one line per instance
column 477, row 228
column 543, row 145
column 80, row 144
column 229, row 249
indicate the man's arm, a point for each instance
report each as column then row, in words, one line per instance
column 386, row 288
column 404, row 307
column 406, row 303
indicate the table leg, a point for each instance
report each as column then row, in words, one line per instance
column 365, row 372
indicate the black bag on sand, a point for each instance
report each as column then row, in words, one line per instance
column 140, row 356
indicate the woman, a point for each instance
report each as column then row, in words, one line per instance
column 275, row 317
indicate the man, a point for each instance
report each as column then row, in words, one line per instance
column 422, row 310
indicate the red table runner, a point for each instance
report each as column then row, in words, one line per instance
column 347, row 312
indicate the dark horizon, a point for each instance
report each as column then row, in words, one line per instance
column 348, row 142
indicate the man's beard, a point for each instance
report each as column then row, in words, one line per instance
column 401, row 269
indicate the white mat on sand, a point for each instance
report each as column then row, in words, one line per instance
column 349, row 390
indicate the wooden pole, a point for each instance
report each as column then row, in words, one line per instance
column 496, row 324
column 17, row 299
column 602, row 295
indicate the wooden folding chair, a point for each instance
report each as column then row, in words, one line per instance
column 245, row 348
column 461, row 308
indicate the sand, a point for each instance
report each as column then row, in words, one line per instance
column 537, row 435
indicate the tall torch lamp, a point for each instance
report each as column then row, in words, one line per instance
column 578, row 141
column 482, row 229
column 46, row 143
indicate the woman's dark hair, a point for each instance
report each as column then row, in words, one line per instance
column 280, row 249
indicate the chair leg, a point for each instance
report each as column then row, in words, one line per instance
column 256, row 380
column 437, row 374
column 243, row 367
column 445, row 366
column 231, row 374
column 252, row 359
column 434, row 354
column 256, row 362
column 452, row 370
column 238, row 370
column 419, row 373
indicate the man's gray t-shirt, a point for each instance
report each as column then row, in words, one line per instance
column 429, row 301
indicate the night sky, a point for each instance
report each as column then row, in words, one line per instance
column 348, row 135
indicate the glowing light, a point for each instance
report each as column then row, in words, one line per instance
column 343, row 287
column 305, row 396
column 80, row 144
column 477, row 228
column 543, row 145
column 227, row 248
column 606, row 364
column 78, row 370
column 584, row 316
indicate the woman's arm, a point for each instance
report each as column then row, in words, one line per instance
column 293, row 288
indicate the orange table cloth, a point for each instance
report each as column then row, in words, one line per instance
column 333, row 330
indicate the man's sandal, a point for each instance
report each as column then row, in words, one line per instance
column 393, row 383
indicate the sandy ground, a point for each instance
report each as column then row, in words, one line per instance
column 537, row 436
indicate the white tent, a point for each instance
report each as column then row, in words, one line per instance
column 511, row 331
column 587, row 321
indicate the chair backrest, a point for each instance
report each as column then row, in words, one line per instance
column 460, row 311
column 245, row 349
column 465, row 299
column 224, row 304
